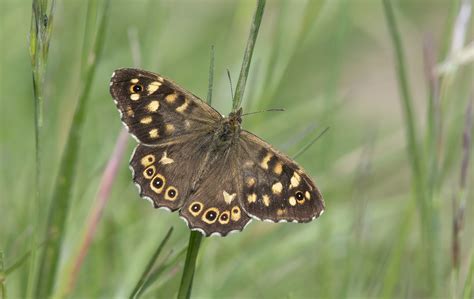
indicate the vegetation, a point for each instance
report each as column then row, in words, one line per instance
column 392, row 80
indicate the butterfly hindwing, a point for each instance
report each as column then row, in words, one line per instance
column 214, row 208
column 156, row 110
column 275, row 188
column 164, row 175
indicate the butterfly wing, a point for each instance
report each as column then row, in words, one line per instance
column 275, row 188
column 165, row 175
column 214, row 208
column 156, row 111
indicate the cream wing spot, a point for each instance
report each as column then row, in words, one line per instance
column 135, row 97
column 252, row 197
column 152, row 87
column 307, row 195
column 146, row 120
column 169, row 129
column 228, row 198
column 295, row 180
column 171, row 98
column 250, row 182
column 134, row 81
column 153, row 133
column 183, row 107
column 265, row 160
column 153, row 106
column 129, row 111
column 278, row 169
column 165, row 159
column 266, row 200
column 292, row 201
column 276, row 188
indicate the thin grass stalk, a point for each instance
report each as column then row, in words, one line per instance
column 211, row 77
column 310, row 143
column 195, row 238
column 39, row 41
column 145, row 277
column 186, row 284
column 3, row 291
column 65, row 180
column 418, row 175
column 468, row 290
column 406, row 99
column 244, row 71
column 433, row 131
column 165, row 266
column 460, row 200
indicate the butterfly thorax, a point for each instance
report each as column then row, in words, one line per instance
column 228, row 129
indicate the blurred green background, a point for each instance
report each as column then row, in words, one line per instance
column 328, row 63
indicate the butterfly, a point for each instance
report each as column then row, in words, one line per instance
column 191, row 159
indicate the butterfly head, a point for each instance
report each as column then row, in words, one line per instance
column 229, row 128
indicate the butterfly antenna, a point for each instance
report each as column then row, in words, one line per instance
column 230, row 82
column 255, row 112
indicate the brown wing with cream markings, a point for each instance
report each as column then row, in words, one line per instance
column 165, row 174
column 214, row 208
column 275, row 188
column 157, row 111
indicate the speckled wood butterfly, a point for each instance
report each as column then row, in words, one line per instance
column 192, row 159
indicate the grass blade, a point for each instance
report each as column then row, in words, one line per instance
column 196, row 237
column 211, row 77
column 244, row 71
column 186, row 284
column 63, row 187
column 139, row 287
column 39, row 41
column 423, row 200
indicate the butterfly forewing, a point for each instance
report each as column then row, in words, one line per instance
column 156, row 110
column 275, row 188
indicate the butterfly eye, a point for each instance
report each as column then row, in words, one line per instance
column 224, row 218
column 235, row 213
column 299, row 196
column 195, row 208
column 157, row 183
column 210, row 216
column 171, row 193
column 136, row 88
column 149, row 172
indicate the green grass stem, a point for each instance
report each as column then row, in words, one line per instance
column 418, row 170
column 186, row 284
column 62, row 193
column 145, row 277
column 39, row 41
column 244, row 71
column 195, row 238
